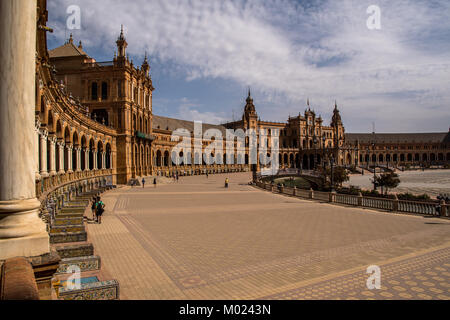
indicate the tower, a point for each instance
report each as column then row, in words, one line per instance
column 250, row 116
column 338, row 130
column 145, row 66
column 121, row 45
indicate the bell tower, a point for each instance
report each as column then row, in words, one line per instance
column 121, row 45
column 250, row 117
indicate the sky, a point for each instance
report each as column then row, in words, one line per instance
column 205, row 55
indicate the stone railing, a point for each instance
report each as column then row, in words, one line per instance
column 394, row 205
column 192, row 170
column 47, row 184
column 55, row 198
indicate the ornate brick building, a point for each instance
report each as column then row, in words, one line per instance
column 118, row 95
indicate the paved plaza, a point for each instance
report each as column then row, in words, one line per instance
column 431, row 182
column 197, row 240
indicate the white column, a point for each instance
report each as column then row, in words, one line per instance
column 44, row 169
column 95, row 156
column 22, row 232
column 103, row 160
column 70, row 159
column 86, row 160
column 37, row 175
column 61, row 145
column 52, row 169
column 78, row 151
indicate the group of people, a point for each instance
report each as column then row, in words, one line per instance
column 98, row 207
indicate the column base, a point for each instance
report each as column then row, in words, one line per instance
column 22, row 232
column 30, row 246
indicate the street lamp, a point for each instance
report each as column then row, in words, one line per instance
column 324, row 139
column 332, row 173
column 315, row 152
column 374, row 167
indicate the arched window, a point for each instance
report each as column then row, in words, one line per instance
column 104, row 91
column 94, row 91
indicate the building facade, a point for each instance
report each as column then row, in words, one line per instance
column 118, row 95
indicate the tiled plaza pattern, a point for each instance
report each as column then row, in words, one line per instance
column 196, row 240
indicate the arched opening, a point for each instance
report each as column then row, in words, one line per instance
column 417, row 157
column 291, row 160
column 104, row 91
column 84, row 148
column 66, row 149
column 158, row 158
column 410, row 157
column 108, row 156
column 433, row 157
column 424, row 157
column 312, row 163
column 94, row 91
column 91, row 154
column 395, row 157
column 402, row 158
column 100, row 155
column 166, row 159
column 381, row 158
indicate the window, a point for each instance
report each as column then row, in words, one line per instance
column 104, row 91
column 94, row 91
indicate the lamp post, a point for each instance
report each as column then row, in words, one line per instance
column 315, row 152
column 374, row 167
column 332, row 173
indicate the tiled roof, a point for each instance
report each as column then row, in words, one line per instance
column 171, row 124
column 67, row 50
column 439, row 137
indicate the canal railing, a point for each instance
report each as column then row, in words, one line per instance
column 394, row 205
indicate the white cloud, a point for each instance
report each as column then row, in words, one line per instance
column 288, row 52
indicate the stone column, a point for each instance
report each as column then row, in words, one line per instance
column 95, row 158
column 103, row 160
column 78, row 151
column 86, row 160
column 37, row 175
column 61, row 145
column 44, row 169
column 22, row 232
column 70, row 159
column 52, row 169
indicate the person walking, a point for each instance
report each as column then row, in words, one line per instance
column 99, row 210
column 154, row 182
column 93, row 207
column 143, row 183
column 227, row 182
column 178, row 177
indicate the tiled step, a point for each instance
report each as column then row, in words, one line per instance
column 76, row 203
column 68, row 237
column 68, row 221
column 67, row 229
column 75, row 250
column 88, row 263
column 72, row 210
column 104, row 290
column 69, row 215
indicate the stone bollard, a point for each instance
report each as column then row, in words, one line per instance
column 333, row 196
column 281, row 189
column 294, row 193
column 443, row 208
column 272, row 188
column 311, row 193
column 395, row 203
column 360, row 199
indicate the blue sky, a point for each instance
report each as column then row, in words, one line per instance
column 205, row 54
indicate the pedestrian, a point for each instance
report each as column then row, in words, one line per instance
column 93, row 207
column 154, row 182
column 206, row 174
column 143, row 183
column 99, row 210
column 226, row 182
column 178, row 177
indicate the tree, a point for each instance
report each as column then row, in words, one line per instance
column 388, row 180
column 340, row 175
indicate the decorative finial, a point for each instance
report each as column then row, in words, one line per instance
column 307, row 102
column 80, row 46
column 71, row 38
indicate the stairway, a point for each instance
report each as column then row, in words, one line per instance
column 69, row 238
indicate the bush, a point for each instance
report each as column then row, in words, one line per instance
column 411, row 197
